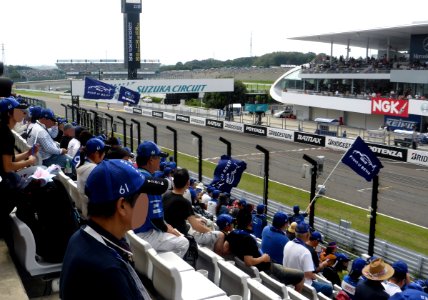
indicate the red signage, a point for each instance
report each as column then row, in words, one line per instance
column 390, row 107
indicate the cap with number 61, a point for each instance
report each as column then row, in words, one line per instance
column 116, row 178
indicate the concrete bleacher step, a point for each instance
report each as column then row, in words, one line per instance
column 11, row 287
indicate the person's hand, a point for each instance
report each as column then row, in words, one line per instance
column 34, row 150
column 172, row 230
column 63, row 151
column 266, row 257
column 32, row 160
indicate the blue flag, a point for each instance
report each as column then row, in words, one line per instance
column 362, row 160
column 228, row 173
column 95, row 89
column 127, row 95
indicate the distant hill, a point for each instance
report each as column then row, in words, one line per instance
column 266, row 60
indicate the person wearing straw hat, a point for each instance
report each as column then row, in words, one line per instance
column 372, row 288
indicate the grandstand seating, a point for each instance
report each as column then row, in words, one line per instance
column 260, row 292
column 172, row 284
column 141, row 258
column 309, row 292
column 25, row 250
column 232, row 280
column 207, row 260
column 321, row 296
column 274, row 285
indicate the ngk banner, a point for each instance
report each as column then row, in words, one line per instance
column 390, row 107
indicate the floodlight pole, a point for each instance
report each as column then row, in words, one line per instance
column 199, row 154
column 373, row 214
column 266, row 175
column 174, row 132
column 314, row 171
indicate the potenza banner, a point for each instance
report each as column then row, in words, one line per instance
column 127, row 95
column 362, row 160
column 95, row 89
column 228, row 173
column 390, row 107
column 257, row 130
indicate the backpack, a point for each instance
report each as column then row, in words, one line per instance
column 192, row 253
column 52, row 217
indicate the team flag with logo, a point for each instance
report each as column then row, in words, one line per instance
column 127, row 95
column 95, row 89
column 362, row 160
column 228, row 173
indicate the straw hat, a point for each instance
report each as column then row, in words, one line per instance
column 292, row 227
column 378, row 270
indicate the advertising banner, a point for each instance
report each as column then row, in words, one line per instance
column 147, row 112
column 417, row 157
column 281, row 134
column 137, row 110
column 169, row 116
column 311, row 139
column 390, row 107
column 389, row 152
column 214, row 123
column 183, row 118
column 197, row 121
column 157, row 114
column 257, row 130
column 233, row 126
column 336, row 143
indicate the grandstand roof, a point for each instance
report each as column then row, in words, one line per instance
column 399, row 37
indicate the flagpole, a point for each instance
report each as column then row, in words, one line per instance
column 373, row 214
column 325, row 181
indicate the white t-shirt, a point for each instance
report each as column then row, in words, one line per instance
column 212, row 205
column 298, row 257
column 391, row 288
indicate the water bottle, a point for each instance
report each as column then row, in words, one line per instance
column 67, row 169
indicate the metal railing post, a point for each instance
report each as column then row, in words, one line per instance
column 155, row 132
column 111, row 122
column 124, row 129
column 266, row 175
column 228, row 144
column 314, row 169
column 199, row 137
column 65, row 109
column 96, row 131
column 174, row 132
column 138, row 130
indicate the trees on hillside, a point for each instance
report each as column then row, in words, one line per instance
column 220, row 100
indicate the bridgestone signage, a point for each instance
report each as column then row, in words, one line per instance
column 280, row 134
column 338, row 143
column 389, row 152
column 157, row 114
column 169, row 116
column 214, row 123
column 182, row 118
column 137, row 111
column 257, row 130
column 197, row 121
column 147, row 112
column 233, row 126
column 417, row 157
column 311, row 139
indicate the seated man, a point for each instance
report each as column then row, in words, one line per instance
column 178, row 210
column 259, row 220
column 241, row 243
column 400, row 278
column 297, row 256
column 162, row 236
column 98, row 262
column 274, row 237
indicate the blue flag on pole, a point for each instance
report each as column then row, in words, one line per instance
column 95, row 89
column 362, row 160
column 228, row 173
column 127, row 95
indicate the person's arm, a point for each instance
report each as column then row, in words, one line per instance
column 48, row 145
column 310, row 275
column 252, row 261
column 12, row 166
column 198, row 224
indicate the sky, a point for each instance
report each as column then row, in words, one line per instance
column 40, row 32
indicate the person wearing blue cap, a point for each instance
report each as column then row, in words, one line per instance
column 155, row 230
column 336, row 267
column 213, row 202
column 49, row 152
column 11, row 113
column 225, row 223
column 350, row 281
column 410, row 294
column 274, row 237
column 92, row 153
column 399, row 280
column 312, row 244
column 297, row 216
column 259, row 220
column 297, row 256
column 98, row 261
column 241, row 243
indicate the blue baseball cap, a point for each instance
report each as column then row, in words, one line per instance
column 210, row 189
column 341, row 257
column 167, row 171
column 358, row 264
column 216, row 193
column 316, row 236
column 400, row 267
column 410, row 294
column 36, row 111
column 47, row 113
column 148, row 148
column 116, row 178
column 260, row 208
column 172, row 165
column 296, row 208
column 279, row 219
column 95, row 144
column 10, row 103
column 224, row 220
column 192, row 194
column 302, row 228
column 242, row 202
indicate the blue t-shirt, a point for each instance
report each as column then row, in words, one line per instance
column 298, row 218
column 273, row 242
column 259, row 222
column 349, row 285
column 91, row 270
column 155, row 210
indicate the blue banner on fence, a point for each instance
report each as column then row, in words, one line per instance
column 228, row 173
column 127, row 95
column 362, row 160
column 95, row 89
